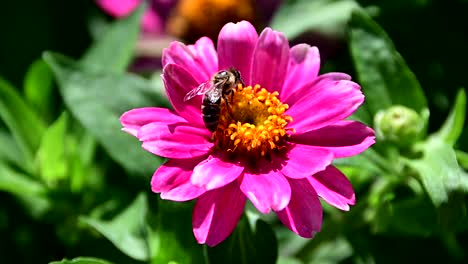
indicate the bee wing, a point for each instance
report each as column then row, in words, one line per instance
column 201, row 89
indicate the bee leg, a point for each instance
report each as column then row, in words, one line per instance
column 228, row 106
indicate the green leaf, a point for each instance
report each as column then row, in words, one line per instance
column 51, row 157
column 24, row 124
column 98, row 100
column 18, row 183
column 327, row 17
column 415, row 216
column 171, row 239
column 332, row 251
column 453, row 125
column 80, row 160
column 384, row 76
column 114, row 51
column 247, row 244
column 438, row 170
column 11, row 153
column 38, row 88
column 82, row 260
column 462, row 158
column 128, row 230
column 30, row 192
column 288, row 260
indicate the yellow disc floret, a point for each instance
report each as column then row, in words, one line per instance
column 252, row 122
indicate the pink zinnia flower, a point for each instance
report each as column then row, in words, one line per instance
column 273, row 145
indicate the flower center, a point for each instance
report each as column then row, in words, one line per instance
column 252, row 122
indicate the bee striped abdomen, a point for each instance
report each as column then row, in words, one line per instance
column 210, row 113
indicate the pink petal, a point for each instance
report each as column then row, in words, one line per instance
column 118, row 8
column 334, row 188
column 178, row 140
column 307, row 87
column 215, row 172
column 266, row 191
column 304, row 65
column 134, row 119
column 344, row 138
column 327, row 103
column 302, row 161
column 172, row 180
column 151, row 22
column 198, row 60
column 270, row 61
column 303, row 215
column 178, row 83
column 236, row 43
column 216, row 214
column 206, row 54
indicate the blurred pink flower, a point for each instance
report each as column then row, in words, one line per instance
column 187, row 20
column 153, row 18
column 274, row 146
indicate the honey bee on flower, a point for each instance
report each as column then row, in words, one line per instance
column 220, row 87
column 275, row 139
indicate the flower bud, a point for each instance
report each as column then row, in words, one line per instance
column 400, row 125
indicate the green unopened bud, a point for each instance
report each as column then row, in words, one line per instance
column 400, row 125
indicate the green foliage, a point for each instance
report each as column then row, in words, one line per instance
column 51, row 155
column 384, row 76
column 113, row 52
column 31, row 193
column 38, row 88
column 251, row 242
column 127, row 231
column 326, row 17
column 24, row 124
column 98, row 99
column 438, row 170
column 81, row 260
column 453, row 126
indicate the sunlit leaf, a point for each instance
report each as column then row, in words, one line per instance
column 38, row 88
column 127, row 231
column 438, row 170
column 50, row 158
column 24, row 124
column 80, row 161
column 81, row 260
column 114, row 51
column 323, row 16
column 384, row 76
column 98, row 99
column 453, row 125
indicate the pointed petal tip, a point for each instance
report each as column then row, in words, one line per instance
column 267, row 192
column 214, row 173
column 216, row 214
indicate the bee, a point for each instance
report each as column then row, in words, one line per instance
column 220, row 86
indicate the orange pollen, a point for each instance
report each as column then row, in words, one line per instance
column 252, row 122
